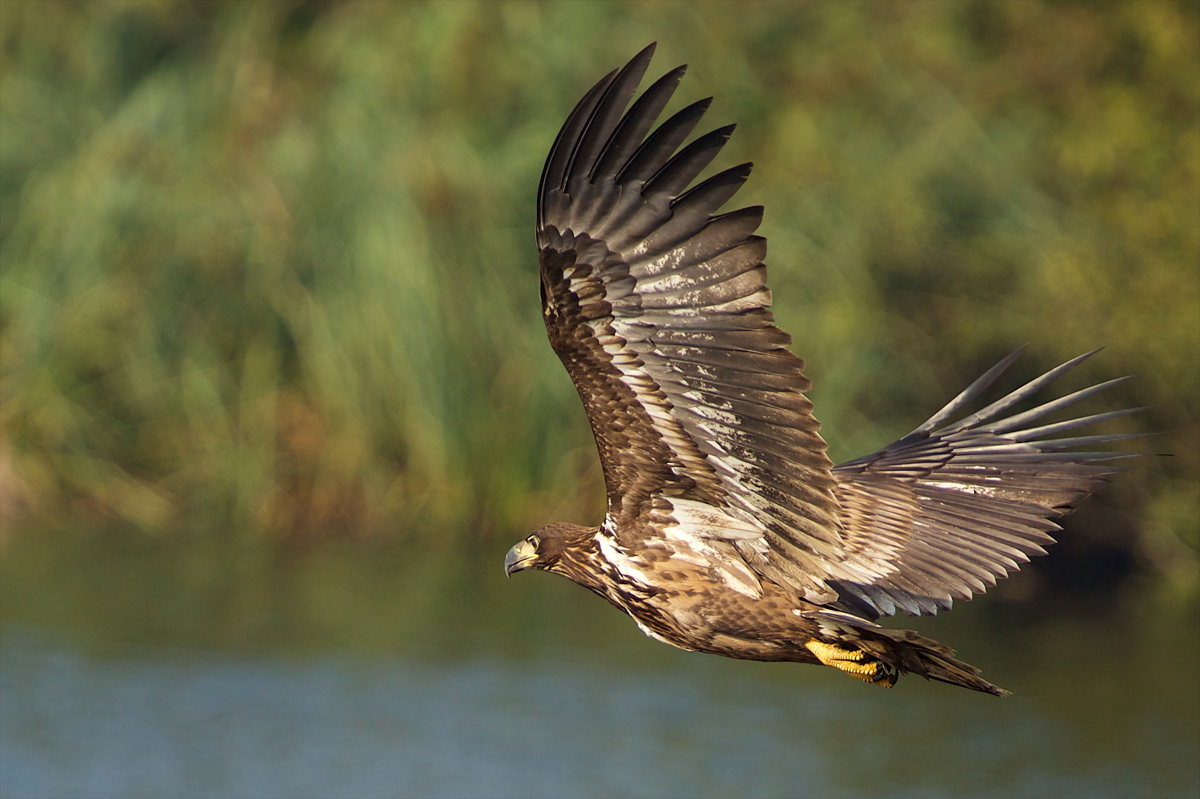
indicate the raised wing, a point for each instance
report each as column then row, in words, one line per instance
column 658, row 309
column 946, row 510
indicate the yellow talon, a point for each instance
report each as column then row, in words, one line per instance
column 832, row 652
column 852, row 662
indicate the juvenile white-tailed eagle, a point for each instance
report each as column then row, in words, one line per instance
column 728, row 529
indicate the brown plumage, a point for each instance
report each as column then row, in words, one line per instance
column 728, row 529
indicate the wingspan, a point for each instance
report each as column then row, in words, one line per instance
column 951, row 507
column 658, row 309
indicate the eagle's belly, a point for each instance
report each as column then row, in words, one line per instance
column 687, row 604
column 730, row 624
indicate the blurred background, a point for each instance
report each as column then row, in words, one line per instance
column 275, row 395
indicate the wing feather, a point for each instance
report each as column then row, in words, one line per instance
column 555, row 172
column 975, row 496
column 656, row 150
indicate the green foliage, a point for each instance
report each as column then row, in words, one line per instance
column 268, row 267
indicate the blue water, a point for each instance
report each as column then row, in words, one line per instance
column 151, row 722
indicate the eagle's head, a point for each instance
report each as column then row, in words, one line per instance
column 546, row 547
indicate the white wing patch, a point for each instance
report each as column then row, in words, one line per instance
column 698, row 535
column 706, row 521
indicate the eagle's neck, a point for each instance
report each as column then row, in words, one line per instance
column 581, row 561
column 603, row 566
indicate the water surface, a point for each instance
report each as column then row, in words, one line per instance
column 319, row 677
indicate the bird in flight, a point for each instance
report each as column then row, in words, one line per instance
column 728, row 529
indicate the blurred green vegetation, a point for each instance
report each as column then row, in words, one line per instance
column 268, row 270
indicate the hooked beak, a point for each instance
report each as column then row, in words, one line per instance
column 520, row 557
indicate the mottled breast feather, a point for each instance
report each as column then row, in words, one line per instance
column 658, row 307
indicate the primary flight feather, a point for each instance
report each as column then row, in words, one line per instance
column 728, row 529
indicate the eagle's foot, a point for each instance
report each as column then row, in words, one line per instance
column 854, row 662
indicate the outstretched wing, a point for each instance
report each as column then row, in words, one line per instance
column 658, row 309
column 946, row 510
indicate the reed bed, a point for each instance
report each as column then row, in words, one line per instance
column 268, row 268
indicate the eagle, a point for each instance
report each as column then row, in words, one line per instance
column 728, row 529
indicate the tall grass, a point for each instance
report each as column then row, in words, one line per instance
column 268, row 267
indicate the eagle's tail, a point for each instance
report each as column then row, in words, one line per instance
column 916, row 654
column 880, row 654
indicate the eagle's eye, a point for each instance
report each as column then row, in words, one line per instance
column 534, row 541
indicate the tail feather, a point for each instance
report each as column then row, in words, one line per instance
column 914, row 654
